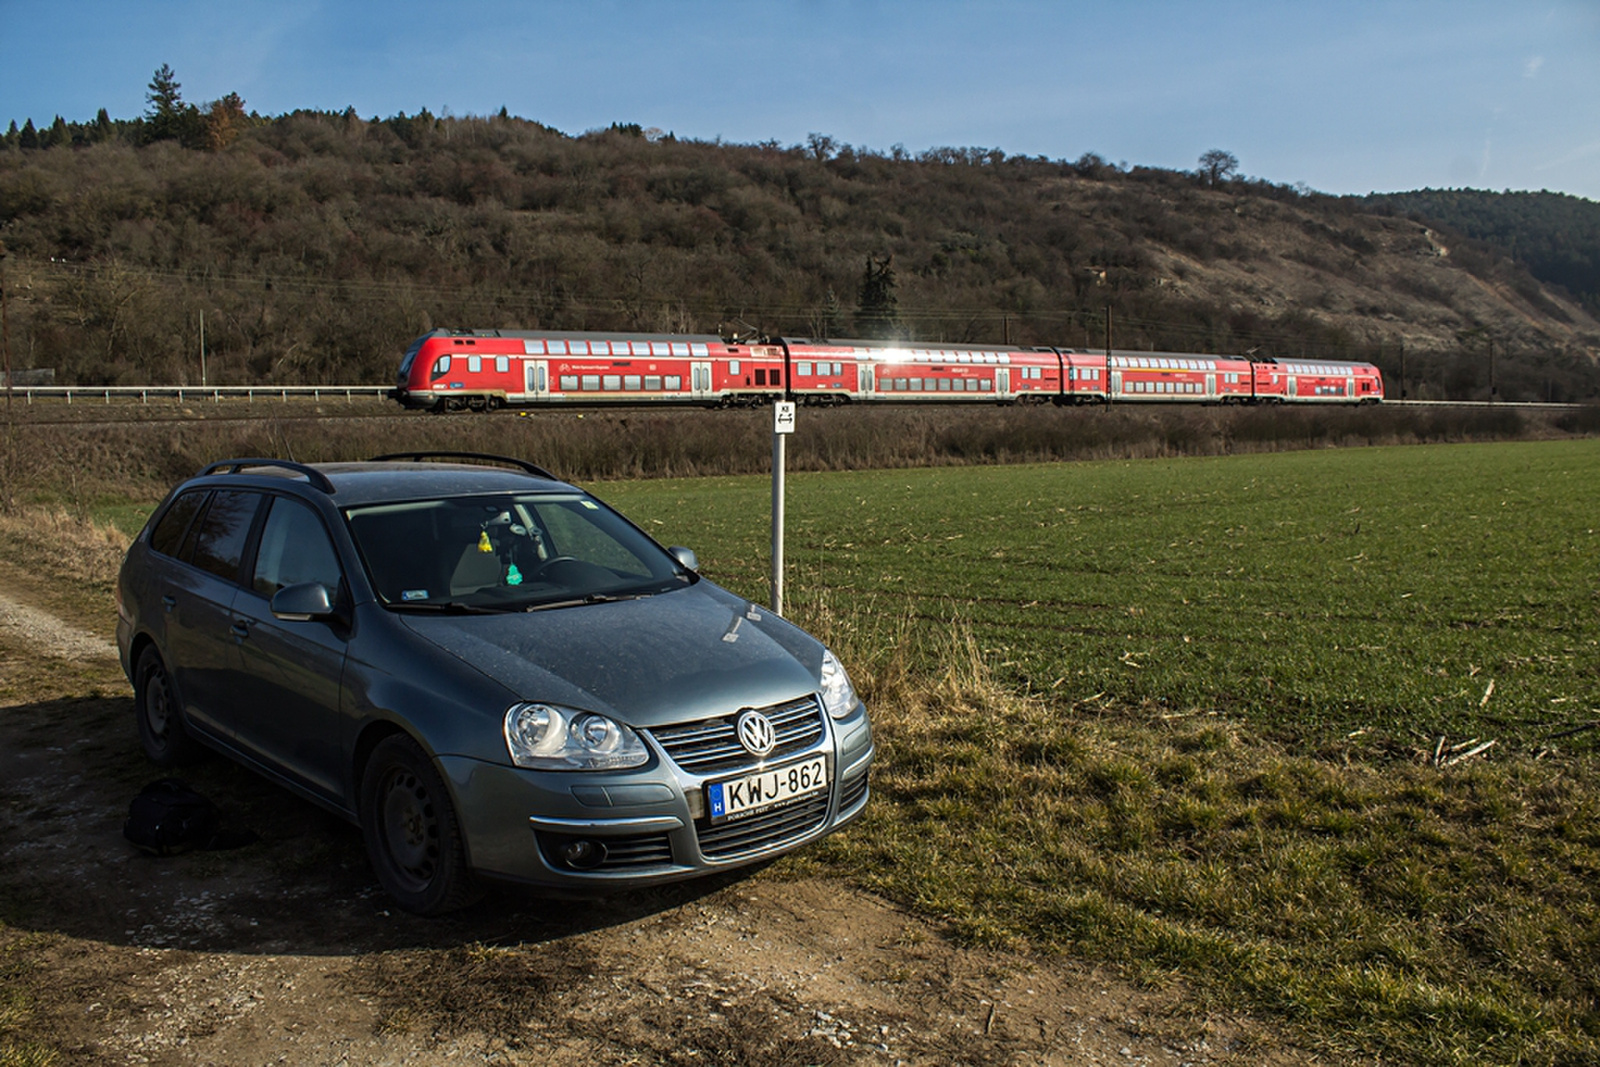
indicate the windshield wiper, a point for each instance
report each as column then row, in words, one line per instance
column 587, row 598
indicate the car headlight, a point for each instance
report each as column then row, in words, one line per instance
column 551, row 738
column 838, row 695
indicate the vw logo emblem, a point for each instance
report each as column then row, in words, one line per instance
column 756, row 733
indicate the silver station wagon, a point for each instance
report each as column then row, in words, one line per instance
column 492, row 673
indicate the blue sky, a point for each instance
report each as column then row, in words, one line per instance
column 1346, row 97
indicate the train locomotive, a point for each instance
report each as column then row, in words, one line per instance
column 481, row 370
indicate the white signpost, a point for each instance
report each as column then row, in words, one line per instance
column 782, row 427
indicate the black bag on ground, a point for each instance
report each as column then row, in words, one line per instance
column 168, row 817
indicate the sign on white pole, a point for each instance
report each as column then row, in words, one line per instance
column 782, row 427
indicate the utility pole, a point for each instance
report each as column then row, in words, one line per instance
column 1493, row 389
column 5, row 331
column 202, row 348
column 1402, row 368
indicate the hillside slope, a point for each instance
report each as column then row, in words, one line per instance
column 316, row 245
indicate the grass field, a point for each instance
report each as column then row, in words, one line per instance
column 1315, row 592
column 1198, row 717
column 1220, row 720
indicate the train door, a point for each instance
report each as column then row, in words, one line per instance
column 538, row 379
column 700, row 381
column 1291, row 392
column 1211, row 387
column 1116, row 384
column 1002, row 382
column 864, row 385
column 1350, row 387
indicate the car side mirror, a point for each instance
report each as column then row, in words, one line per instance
column 686, row 557
column 303, row 602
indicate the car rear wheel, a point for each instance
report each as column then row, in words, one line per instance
column 412, row 835
column 155, row 702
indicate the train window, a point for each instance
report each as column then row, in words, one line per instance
column 944, row 385
column 698, row 350
column 441, row 367
column 631, row 382
column 674, row 382
column 557, row 348
column 474, row 364
column 533, row 348
column 985, row 385
column 761, row 376
column 803, row 369
column 777, row 377
column 652, row 383
column 679, row 348
column 569, row 382
column 612, row 382
column 916, row 384
column 502, row 364
column 733, row 366
column 591, row 381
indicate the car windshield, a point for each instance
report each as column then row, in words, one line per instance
column 508, row 552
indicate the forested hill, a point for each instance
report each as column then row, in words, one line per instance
column 316, row 245
column 1556, row 236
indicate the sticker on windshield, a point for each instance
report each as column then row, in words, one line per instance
column 590, row 504
column 414, row 594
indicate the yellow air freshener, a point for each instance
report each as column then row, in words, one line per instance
column 483, row 542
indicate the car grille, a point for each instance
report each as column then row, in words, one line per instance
column 767, row 830
column 711, row 746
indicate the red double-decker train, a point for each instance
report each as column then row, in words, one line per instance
column 453, row 370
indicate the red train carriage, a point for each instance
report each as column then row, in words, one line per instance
column 486, row 369
column 924, row 375
column 1179, row 377
column 1304, row 381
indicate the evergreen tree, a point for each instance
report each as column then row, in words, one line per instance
column 29, row 137
column 102, row 127
column 876, row 305
column 12, row 135
column 168, row 118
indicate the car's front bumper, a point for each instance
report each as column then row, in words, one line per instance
column 651, row 824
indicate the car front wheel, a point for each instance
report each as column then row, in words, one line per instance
column 412, row 835
column 161, row 731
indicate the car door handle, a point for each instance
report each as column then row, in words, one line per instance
column 169, row 601
column 240, row 630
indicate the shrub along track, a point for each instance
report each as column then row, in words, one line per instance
column 288, row 948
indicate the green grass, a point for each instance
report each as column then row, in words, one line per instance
column 1316, row 592
column 1184, row 717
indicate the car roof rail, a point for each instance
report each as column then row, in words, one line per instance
column 234, row 466
column 487, row 457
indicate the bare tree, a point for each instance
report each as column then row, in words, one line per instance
column 1217, row 166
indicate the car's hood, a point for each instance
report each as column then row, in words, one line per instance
column 675, row 657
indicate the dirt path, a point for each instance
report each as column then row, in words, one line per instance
column 286, row 951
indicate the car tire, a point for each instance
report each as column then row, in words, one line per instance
column 412, row 835
column 157, row 708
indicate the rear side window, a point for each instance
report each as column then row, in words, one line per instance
column 219, row 539
column 294, row 548
column 168, row 534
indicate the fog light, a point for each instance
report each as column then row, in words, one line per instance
column 583, row 855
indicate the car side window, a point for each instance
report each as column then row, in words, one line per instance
column 294, row 548
column 220, row 537
column 167, row 537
